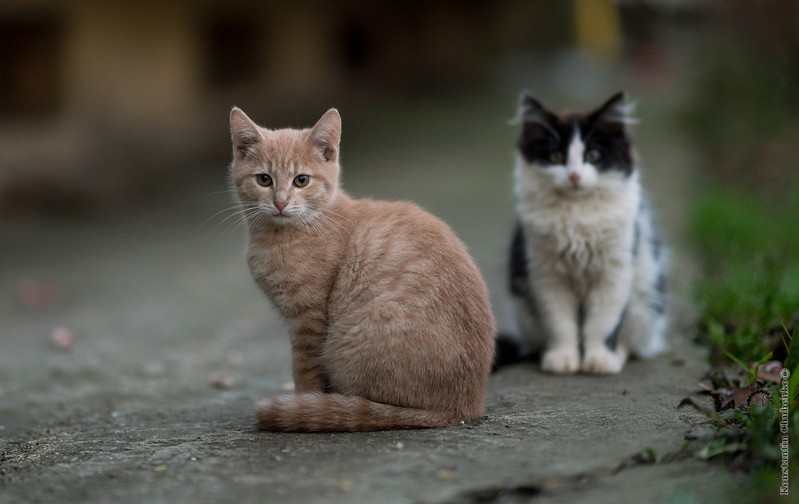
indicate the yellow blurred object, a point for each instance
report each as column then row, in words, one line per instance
column 597, row 27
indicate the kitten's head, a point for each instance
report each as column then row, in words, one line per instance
column 287, row 176
column 574, row 154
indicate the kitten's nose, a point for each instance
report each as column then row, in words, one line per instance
column 574, row 178
column 280, row 205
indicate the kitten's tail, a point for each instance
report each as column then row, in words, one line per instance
column 508, row 351
column 317, row 412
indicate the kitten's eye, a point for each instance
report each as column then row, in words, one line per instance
column 593, row 156
column 556, row 157
column 301, row 180
column 263, row 179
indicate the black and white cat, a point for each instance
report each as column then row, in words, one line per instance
column 587, row 268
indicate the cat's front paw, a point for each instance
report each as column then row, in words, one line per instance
column 561, row 361
column 602, row 361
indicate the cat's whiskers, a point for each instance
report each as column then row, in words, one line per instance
column 323, row 213
column 332, row 224
column 235, row 209
column 226, row 191
column 331, row 212
column 307, row 221
column 245, row 216
column 262, row 216
column 240, row 214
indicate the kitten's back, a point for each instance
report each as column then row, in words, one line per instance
column 411, row 337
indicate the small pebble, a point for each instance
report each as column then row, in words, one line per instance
column 63, row 339
column 446, row 474
column 224, row 382
column 399, row 445
column 345, row 486
column 288, row 386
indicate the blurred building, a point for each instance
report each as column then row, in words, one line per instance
column 100, row 100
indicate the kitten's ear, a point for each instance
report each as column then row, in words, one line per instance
column 530, row 109
column 618, row 109
column 326, row 135
column 244, row 133
column 529, row 102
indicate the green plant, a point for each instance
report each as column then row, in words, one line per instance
column 749, row 299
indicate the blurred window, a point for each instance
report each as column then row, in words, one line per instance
column 30, row 66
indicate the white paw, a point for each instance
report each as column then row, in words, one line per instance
column 602, row 361
column 656, row 345
column 561, row 361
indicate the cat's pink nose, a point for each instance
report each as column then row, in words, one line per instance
column 280, row 205
column 574, row 178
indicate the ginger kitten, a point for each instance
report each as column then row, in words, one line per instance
column 587, row 266
column 389, row 317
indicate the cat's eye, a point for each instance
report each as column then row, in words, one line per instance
column 263, row 179
column 301, row 180
column 593, row 155
column 556, row 157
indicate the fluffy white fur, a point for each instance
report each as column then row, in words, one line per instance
column 579, row 226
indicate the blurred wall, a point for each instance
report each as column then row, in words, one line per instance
column 101, row 101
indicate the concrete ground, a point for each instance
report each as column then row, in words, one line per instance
column 173, row 344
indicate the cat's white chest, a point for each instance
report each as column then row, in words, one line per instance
column 574, row 246
column 579, row 240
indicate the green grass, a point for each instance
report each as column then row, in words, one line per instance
column 749, row 295
column 749, row 299
column 743, row 113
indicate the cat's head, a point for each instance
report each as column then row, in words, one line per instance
column 574, row 154
column 286, row 176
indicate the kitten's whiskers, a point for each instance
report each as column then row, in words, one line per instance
column 234, row 208
column 251, row 214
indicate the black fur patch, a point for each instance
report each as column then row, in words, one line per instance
column 508, row 351
column 661, row 288
column 612, row 339
column 519, row 283
column 657, row 246
column 545, row 133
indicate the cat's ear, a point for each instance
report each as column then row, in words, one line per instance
column 530, row 109
column 326, row 135
column 244, row 133
column 618, row 109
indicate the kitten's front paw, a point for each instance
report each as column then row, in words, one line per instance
column 602, row 361
column 561, row 361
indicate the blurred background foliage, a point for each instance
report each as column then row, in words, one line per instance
column 744, row 118
column 745, row 103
